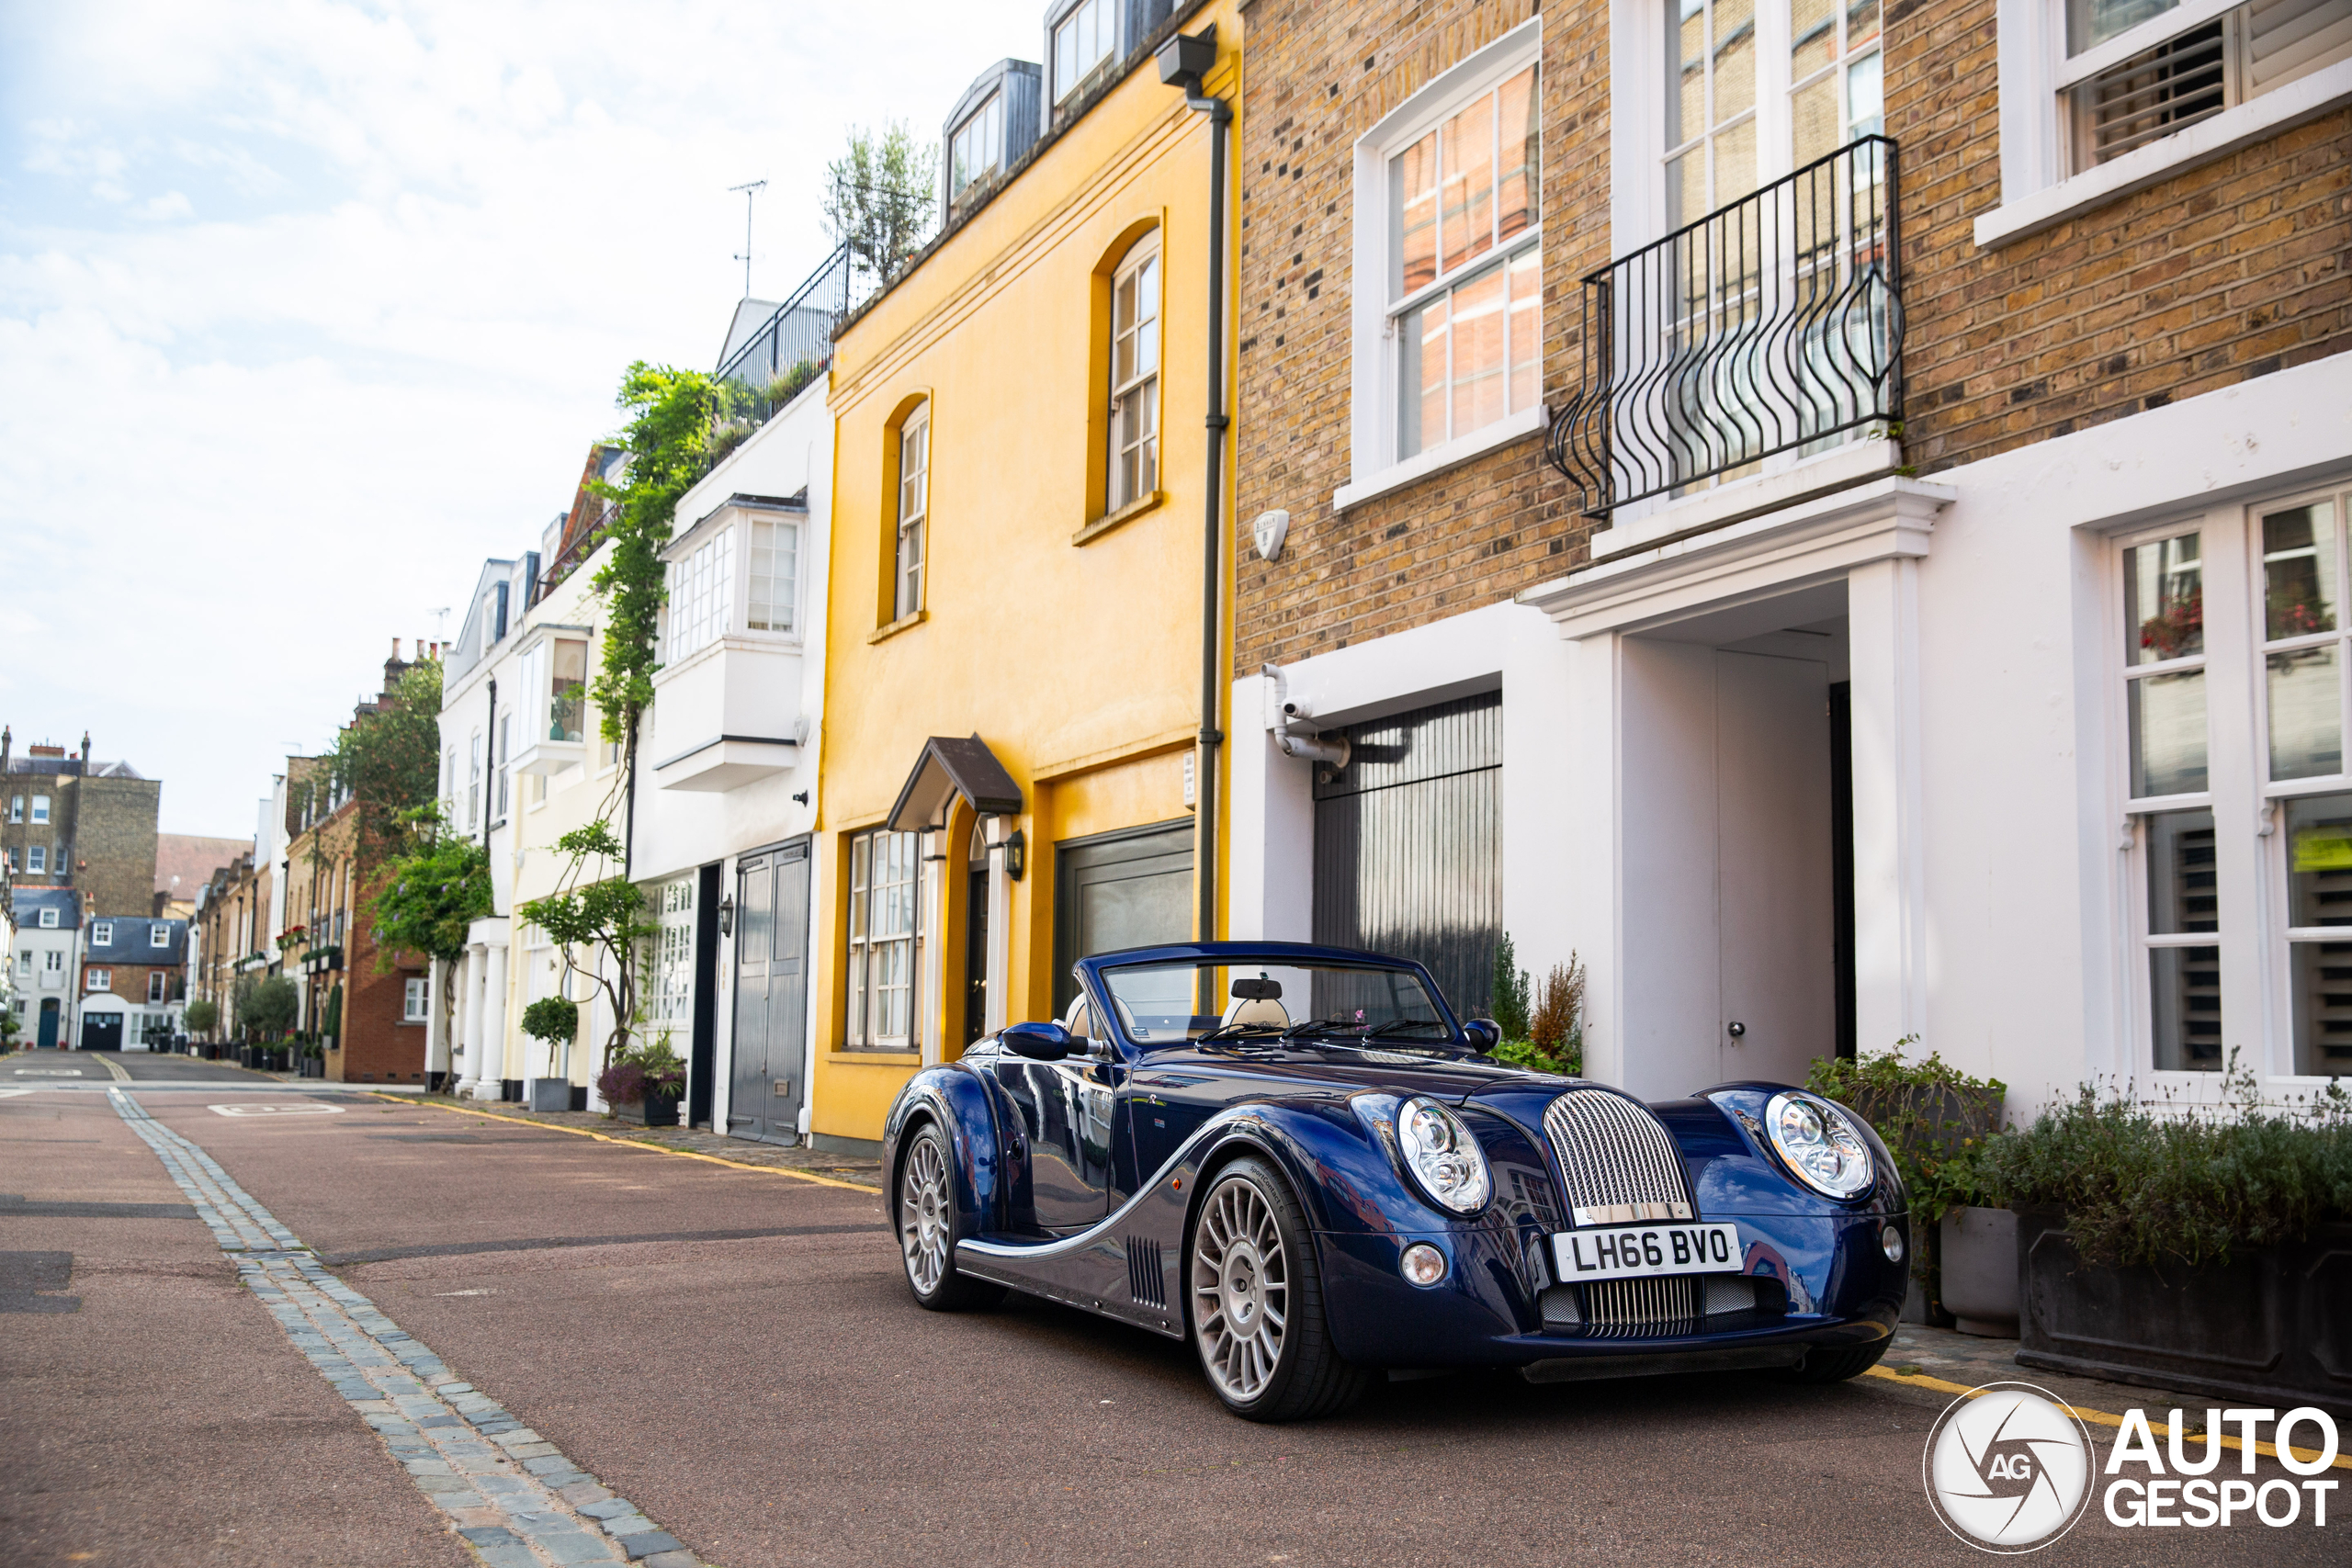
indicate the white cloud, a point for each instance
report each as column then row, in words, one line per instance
column 307, row 307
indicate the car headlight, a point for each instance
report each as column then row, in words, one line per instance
column 1443, row 1156
column 1821, row 1144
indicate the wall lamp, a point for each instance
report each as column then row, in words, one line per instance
column 1016, row 855
column 727, row 915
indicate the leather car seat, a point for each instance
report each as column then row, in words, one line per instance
column 1257, row 1009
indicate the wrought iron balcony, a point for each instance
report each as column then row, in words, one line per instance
column 795, row 346
column 1773, row 324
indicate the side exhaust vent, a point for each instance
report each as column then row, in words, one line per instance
column 1146, row 1280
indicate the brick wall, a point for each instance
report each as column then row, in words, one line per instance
column 1317, row 76
column 377, row 1047
column 114, row 843
column 2208, row 278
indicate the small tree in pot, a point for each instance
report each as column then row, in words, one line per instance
column 554, row 1022
column 202, row 1015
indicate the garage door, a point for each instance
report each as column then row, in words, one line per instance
column 1131, row 888
column 1409, row 844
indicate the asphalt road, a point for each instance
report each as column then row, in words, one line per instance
column 734, row 1351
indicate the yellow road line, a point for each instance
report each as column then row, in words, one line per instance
column 2098, row 1418
column 639, row 1143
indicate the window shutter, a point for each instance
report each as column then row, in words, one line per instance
column 2290, row 39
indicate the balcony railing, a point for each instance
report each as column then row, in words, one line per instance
column 1771, row 325
column 795, row 346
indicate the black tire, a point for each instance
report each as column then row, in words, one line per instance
column 1835, row 1363
column 925, row 1217
column 1249, row 1250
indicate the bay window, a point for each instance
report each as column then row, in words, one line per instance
column 883, row 880
column 775, row 575
column 702, row 595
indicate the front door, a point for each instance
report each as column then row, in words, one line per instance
column 771, row 994
column 102, row 1032
column 48, row 1023
column 1775, row 867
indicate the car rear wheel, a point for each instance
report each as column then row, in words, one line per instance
column 1835, row 1363
column 927, row 1228
column 1256, row 1302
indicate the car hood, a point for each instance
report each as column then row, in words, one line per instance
column 1349, row 1068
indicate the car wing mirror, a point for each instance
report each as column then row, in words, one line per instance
column 1038, row 1042
column 1485, row 1034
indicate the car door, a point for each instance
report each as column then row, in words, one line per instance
column 1066, row 1111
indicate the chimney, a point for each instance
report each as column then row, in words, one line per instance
column 8, row 739
column 86, row 753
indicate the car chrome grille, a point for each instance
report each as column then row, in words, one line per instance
column 1641, row 1306
column 1620, row 1166
column 1145, row 1286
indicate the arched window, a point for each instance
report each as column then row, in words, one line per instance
column 914, row 510
column 1135, row 376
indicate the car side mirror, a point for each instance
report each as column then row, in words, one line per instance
column 1038, row 1042
column 1485, row 1034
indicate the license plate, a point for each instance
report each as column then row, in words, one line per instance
column 1636, row 1252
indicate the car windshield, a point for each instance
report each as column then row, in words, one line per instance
column 1355, row 1005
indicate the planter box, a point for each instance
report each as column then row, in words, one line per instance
column 1979, row 1254
column 654, row 1111
column 548, row 1094
column 2268, row 1328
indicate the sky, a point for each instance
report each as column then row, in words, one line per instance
column 308, row 307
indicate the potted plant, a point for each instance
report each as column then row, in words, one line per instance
column 2198, row 1248
column 1934, row 1120
column 644, row 1084
column 554, row 1022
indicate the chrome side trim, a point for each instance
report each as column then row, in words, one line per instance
column 1065, row 1245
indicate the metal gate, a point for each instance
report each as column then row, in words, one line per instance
column 771, row 994
column 1409, row 843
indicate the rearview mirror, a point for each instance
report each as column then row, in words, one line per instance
column 1038, row 1042
column 1485, row 1034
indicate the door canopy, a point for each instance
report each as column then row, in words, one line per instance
column 947, row 768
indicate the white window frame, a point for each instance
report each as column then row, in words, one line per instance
column 37, row 859
column 40, row 808
column 416, row 992
column 2038, row 191
column 866, row 939
column 911, row 555
column 984, row 129
column 702, row 596
column 102, row 933
column 17, row 809
column 783, row 603
column 94, row 980
column 1139, row 391
column 155, row 987
column 49, row 920
column 669, row 969
column 504, row 742
column 2252, row 884
column 159, row 936
column 1108, row 18
column 473, row 782
column 1373, row 396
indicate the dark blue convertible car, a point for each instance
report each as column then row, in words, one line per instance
column 1297, row 1157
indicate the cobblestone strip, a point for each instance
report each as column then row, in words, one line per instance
column 511, row 1495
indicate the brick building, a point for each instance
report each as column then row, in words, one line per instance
column 370, row 1017
column 1743, row 480
column 73, row 822
column 133, row 983
column 231, row 936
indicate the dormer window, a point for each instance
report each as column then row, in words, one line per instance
column 1086, row 38
column 102, row 933
column 159, row 936
column 49, row 919
column 977, row 149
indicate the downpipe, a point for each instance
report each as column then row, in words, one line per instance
column 1309, row 748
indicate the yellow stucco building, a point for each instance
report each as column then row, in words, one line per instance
column 1014, row 765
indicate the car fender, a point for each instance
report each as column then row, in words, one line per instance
column 952, row 1096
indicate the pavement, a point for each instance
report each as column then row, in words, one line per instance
column 305, row 1317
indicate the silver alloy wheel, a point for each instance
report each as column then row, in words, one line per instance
column 1241, row 1290
column 923, row 1214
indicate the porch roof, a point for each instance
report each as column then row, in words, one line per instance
column 949, row 767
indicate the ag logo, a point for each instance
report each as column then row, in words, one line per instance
column 2009, row 1470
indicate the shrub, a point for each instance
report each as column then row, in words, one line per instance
column 554, row 1020
column 647, row 1069
column 1553, row 1041
column 270, row 1008
column 2187, row 1185
column 1933, row 1118
column 623, row 1083
column 201, row 1015
column 1510, row 999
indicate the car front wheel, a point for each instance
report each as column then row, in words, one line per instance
column 1256, row 1303
column 927, row 1228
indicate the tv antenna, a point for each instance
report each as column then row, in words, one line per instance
column 751, row 194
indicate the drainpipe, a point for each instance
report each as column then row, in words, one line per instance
column 1312, row 748
column 1182, row 63
column 490, row 777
